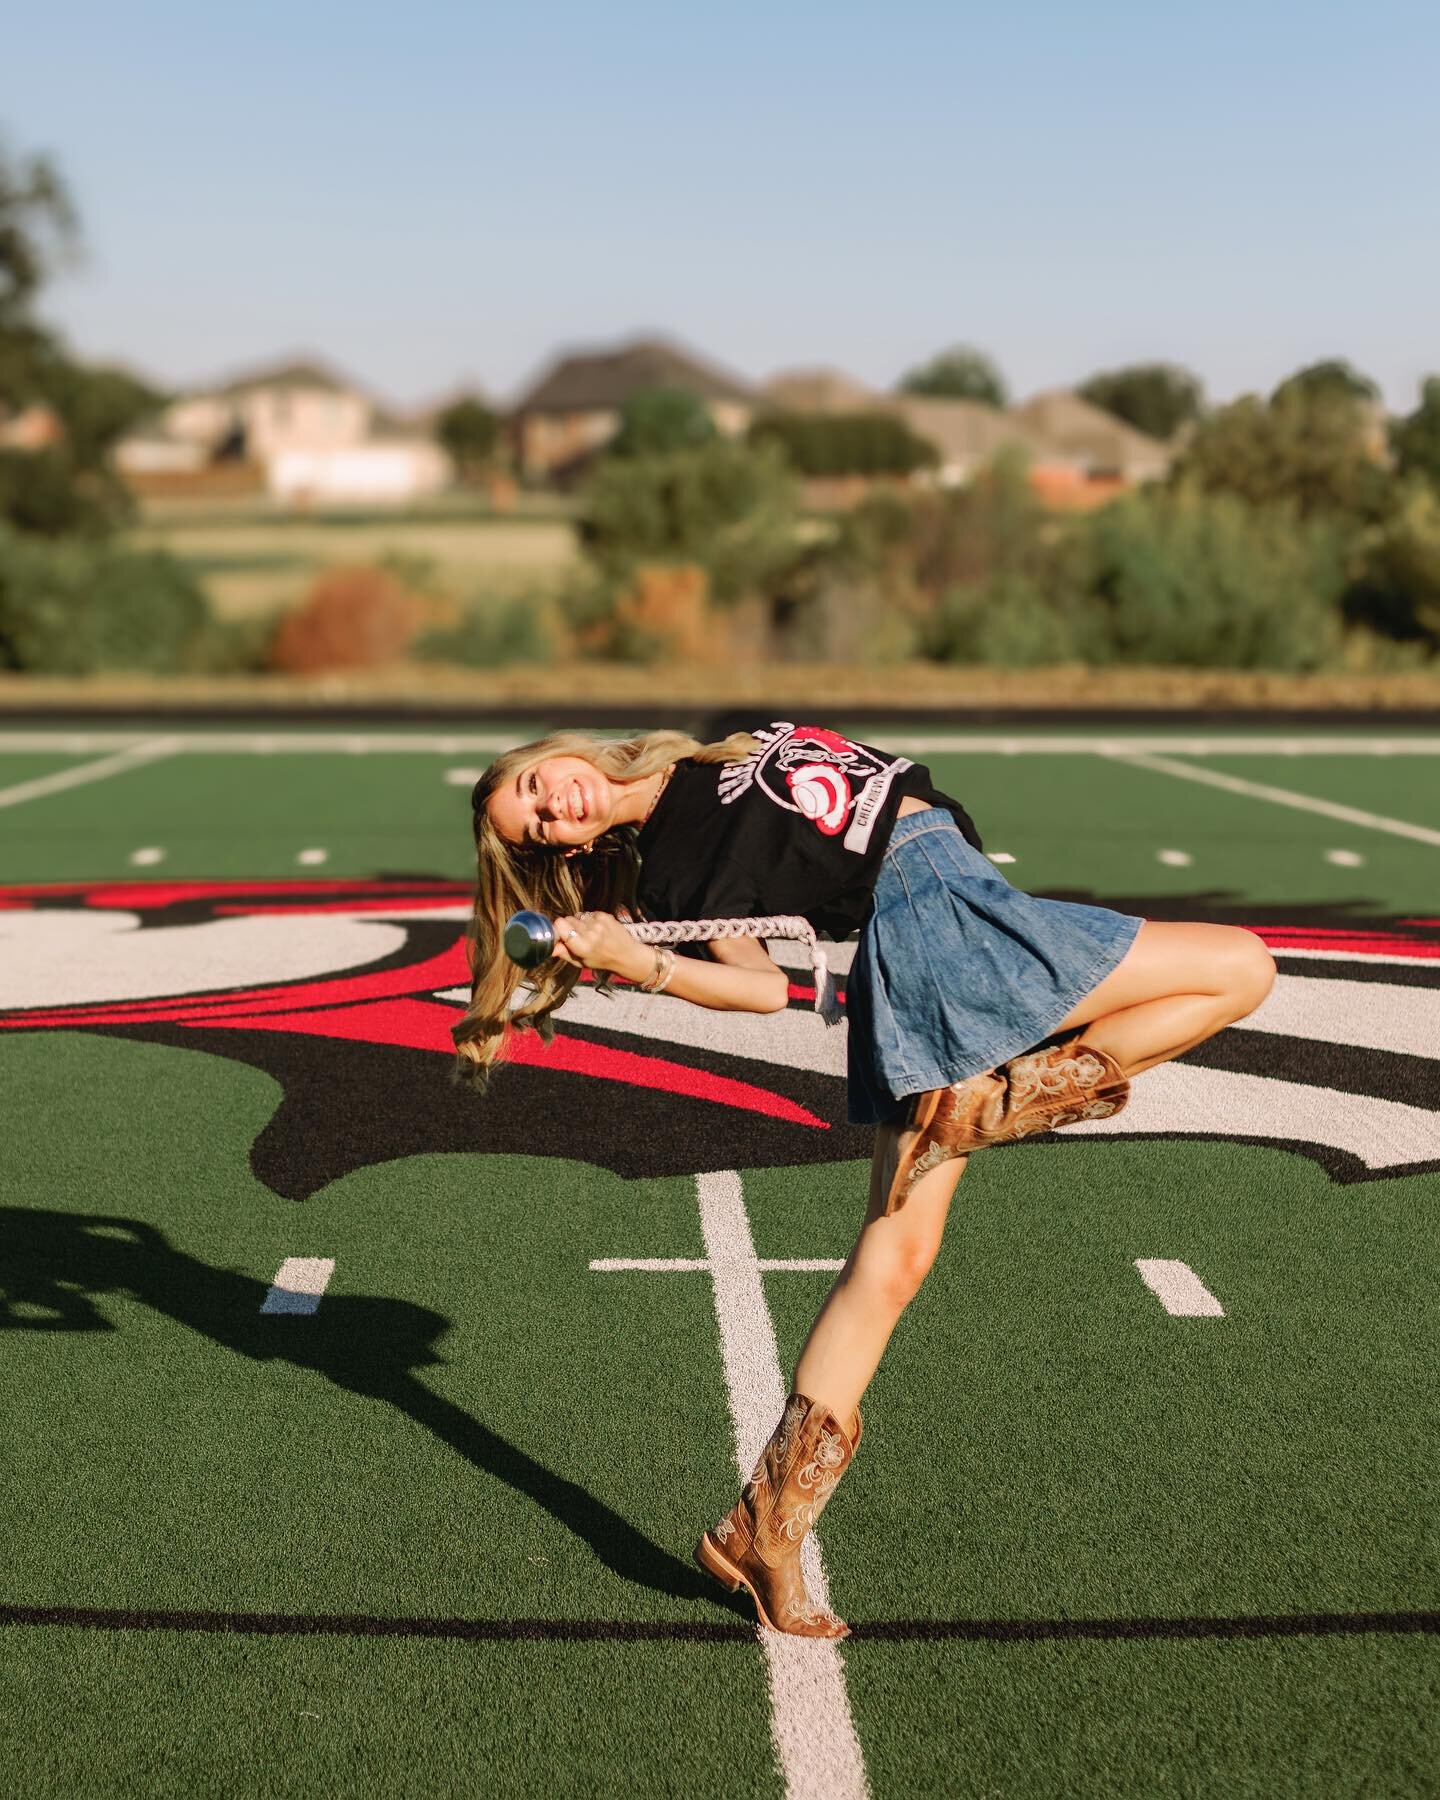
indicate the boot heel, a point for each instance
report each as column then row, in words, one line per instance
column 718, row 1567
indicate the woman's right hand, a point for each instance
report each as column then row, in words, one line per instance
column 597, row 940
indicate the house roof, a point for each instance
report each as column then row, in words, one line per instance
column 1077, row 428
column 603, row 380
column 969, row 430
column 818, row 390
column 294, row 372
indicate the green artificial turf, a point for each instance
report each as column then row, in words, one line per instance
column 17, row 768
column 1088, row 825
column 1075, row 825
column 169, row 1714
column 475, row 1426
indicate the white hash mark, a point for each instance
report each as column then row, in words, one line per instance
column 298, row 1285
column 1178, row 1289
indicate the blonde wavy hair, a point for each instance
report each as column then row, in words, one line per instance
column 511, row 878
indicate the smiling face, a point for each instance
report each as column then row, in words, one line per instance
column 562, row 801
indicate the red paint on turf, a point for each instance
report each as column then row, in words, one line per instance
column 1345, row 938
column 425, row 1025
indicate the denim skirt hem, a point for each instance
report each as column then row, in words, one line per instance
column 958, row 971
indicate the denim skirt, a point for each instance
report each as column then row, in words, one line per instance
column 957, row 971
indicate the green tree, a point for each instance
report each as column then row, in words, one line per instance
column 725, row 507
column 38, row 230
column 70, row 487
column 1397, row 591
column 73, row 608
column 468, row 431
column 1157, row 398
column 658, row 421
column 1307, row 451
column 97, row 406
column 1332, row 379
column 1415, row 439
column 960, row 373
column 1205, row 581
column 862, row 443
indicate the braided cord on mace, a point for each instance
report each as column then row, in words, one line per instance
column 530, row 940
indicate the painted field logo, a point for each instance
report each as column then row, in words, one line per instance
column 345, row 993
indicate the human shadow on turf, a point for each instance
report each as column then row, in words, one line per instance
column 53, row 1265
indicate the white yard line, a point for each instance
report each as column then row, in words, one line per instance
column 269, row 743
column 299, row 1284
column 1110, row 743
column 1178, row 1289
column 814, row 1732
column 285, row 743
column 148, row 750
column 1259, row 790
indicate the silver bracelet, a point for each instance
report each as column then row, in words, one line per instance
column 664, row 968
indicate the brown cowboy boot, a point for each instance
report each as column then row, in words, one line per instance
column 1039, row 1091
column 757, row 1544
column 1062, row 1085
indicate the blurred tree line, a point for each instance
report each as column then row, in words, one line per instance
column 1293, row 533
column 1296, row 532
column 72, row 600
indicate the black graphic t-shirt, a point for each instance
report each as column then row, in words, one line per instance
column 800, row 826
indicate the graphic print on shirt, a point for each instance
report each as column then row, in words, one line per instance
column 830, row 780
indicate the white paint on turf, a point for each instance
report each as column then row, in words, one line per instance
column 1000, row 856
column 810, row 1718
column 147, row 857
column 1370, row 1015
column 147, row 750
column 299, row 1283
column 1178, row 1289
column 794, row 1039
column 1174, row 859
column 311, row 859
column 55, row 957
column 1345, row 859
column 424, row 743
column 1126, row 743
column 1277, row 796
column 1184, row 1099
column 465, row 778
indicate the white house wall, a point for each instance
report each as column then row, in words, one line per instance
column 379, row 473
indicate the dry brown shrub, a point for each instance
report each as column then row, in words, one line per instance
column 351, row 618
column 670, row 605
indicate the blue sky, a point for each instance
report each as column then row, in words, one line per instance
column 431, row 193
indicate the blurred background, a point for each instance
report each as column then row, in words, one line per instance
column 929, row 352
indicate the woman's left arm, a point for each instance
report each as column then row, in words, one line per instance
column 740, row 978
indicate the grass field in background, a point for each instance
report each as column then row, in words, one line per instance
column 434, row 1537
column 261, row 559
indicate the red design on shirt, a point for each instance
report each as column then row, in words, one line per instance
column 822, row 794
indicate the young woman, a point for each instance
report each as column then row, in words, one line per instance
column 977, row 1013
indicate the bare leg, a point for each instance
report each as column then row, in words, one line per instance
column 1177, row 985
column 882, row 1274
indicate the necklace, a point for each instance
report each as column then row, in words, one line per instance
column 665, row 782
